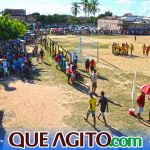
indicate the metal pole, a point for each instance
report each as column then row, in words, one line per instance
column 97, row 52
column 81, row 44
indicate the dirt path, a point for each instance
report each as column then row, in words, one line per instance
column 33, row 106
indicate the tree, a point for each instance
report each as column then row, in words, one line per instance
column 106, row 14
column 11, row 29
column 85, row 4
column 75, row 8
column 95, row 5
column 73, row 20
column 90, row 7
column 91, row 20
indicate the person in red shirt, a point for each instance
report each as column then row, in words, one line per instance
column 141, row 104
column 56, row 61
column 92, row 65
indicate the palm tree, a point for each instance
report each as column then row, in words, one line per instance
column 89, row 9
column 95, row 4
column 75, row 8
column 85, row 4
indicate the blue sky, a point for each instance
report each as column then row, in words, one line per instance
column 118, row 7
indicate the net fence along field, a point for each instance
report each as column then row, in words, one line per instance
column 137, row 62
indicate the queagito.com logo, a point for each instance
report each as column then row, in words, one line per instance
column 74, row 139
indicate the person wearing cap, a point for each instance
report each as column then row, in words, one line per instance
column 103, row 102
column 141, row 104
column 91, row 108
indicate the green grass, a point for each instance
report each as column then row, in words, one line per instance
column 117, row 85
column 118, row 89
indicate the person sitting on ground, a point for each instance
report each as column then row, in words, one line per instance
column 103, row 102
column 141, row 104
column 87, row 65
column 92, row 65
column 91, row 109
column 25, row 70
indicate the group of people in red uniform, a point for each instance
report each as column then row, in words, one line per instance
column 90, row 65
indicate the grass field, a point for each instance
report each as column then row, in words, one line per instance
column 116, row 77
column 137, row 62
column 48, row 102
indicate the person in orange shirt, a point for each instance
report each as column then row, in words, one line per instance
column 92, row 65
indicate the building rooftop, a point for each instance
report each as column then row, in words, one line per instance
column 15, row 12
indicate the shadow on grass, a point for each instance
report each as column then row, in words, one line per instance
column 131, row 56
column 24, row 78
column 47, row 64
column 107, row 63
column 80, row 86
column 114, row 103
column 102, row 78
column 142, row 121
column 2, row 130
column 95, row 128
column 87, row 75
column 114, row 131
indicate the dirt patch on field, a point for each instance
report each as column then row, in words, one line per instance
column 33, row 106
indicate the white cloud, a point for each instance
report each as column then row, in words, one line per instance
column 42, row 6
column 123, row 1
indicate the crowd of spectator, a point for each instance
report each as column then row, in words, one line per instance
column 14, row 59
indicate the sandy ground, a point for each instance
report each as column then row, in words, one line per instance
column 32, row 106
column 138, row 62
